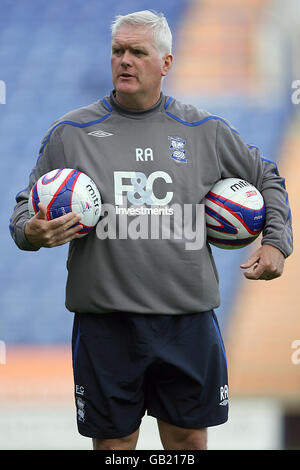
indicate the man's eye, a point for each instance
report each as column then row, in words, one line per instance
column 117, row 51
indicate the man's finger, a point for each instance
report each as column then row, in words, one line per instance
column 69, row 231
column 63, row 235
column 74, row 221
column 58, row 223
column 255, row 272
column 69, row 235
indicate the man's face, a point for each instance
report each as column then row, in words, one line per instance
column 137, row 68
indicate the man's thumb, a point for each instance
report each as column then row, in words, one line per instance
column 42, row 213
column 250, row 261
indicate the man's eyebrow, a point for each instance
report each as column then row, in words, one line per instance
column 131, row 47
column 138, row 46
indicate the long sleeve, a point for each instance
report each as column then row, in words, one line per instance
column 238, row 159
column 51, row 156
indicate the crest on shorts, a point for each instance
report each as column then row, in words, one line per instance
column 80, row 409
column 178, row 152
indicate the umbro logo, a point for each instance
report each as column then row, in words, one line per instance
column 100, row 133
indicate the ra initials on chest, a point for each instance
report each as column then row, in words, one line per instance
column 143, row 155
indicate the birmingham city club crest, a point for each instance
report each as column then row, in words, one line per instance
column 178, row 150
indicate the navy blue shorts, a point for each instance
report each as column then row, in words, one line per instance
column 171, row 366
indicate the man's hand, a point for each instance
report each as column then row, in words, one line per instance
column 266, row 263
column 41, row 232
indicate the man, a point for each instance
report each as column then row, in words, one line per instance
column 145, row 335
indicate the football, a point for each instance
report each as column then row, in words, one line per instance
column 66, row 190
column 234, row 213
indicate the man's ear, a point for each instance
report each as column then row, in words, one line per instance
column 167, row 61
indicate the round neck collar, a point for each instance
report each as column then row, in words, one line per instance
column 134, row 112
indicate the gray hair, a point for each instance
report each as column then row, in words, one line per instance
column 150, row 19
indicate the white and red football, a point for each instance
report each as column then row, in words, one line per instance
column 66, row 190
column 234, row 212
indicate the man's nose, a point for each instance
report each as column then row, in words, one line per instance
column 126, row 59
